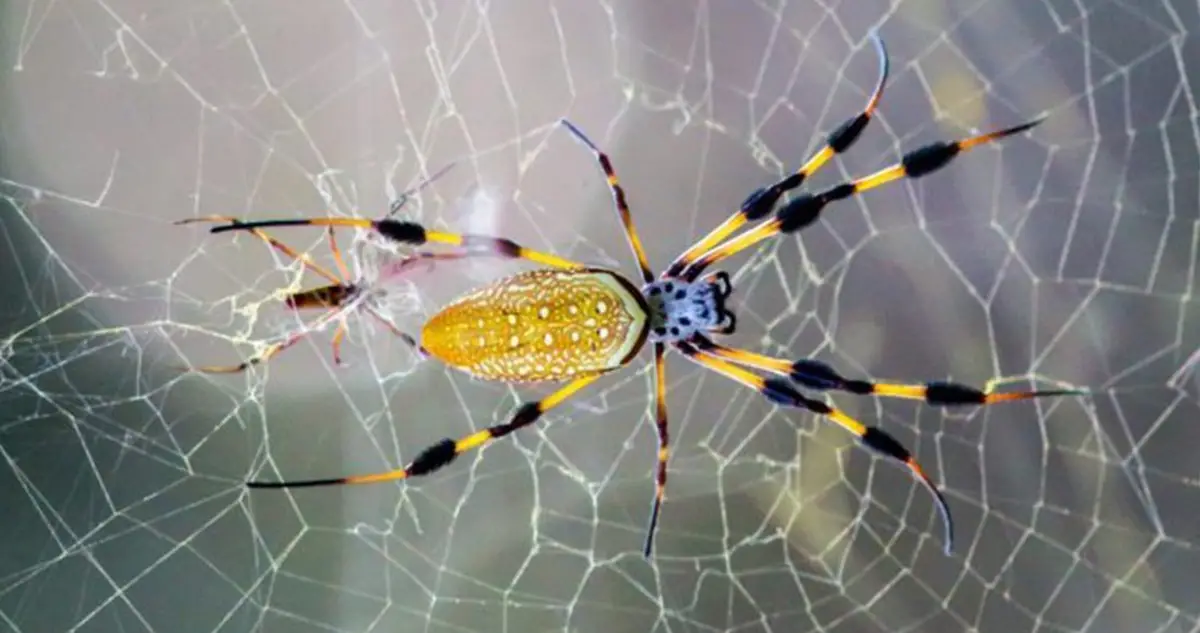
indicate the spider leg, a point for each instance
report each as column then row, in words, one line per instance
column 759, row 203
column 405, row 196
column 722, row 281
column 439, row 455
column 664, row 451
column 728, row 323
column 414, row 234
column 337, row 254
column 407, row 338
column 819, row 376
column 780, row 392
column 618, row 194
column 340, row 333
column 338, row 336
column 804, row 209
column 271, row 351
column 303, row 258
column 401, row 267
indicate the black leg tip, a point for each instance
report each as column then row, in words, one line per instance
column 1025, row 127
column 578, row 134
column 312, row 483
column 877, row 39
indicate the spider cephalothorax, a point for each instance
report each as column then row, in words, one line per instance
column 574, row 323
column 680, row 309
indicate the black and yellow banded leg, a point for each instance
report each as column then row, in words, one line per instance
column 664, row 444
column 619, row 200
column 441, row 454
column 414, row 234
column 782, row 393
column 762, row 201
column 804, row 209
column 304, row 259
column 819, row 376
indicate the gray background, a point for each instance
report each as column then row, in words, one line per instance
column 1068, row 254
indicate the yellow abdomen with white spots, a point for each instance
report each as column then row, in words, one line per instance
column 541, row 325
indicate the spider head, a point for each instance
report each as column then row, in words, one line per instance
column 680, row 309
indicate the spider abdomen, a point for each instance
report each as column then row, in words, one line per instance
column 541, row 325
column 330, row 296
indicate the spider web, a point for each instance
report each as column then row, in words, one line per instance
column 1068, row 255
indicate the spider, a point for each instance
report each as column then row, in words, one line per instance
column 369, row 291
column 570, row 322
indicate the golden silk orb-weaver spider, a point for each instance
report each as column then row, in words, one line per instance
column 569, row 322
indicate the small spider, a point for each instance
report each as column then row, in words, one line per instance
column 575, row 323
column 371, row 290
